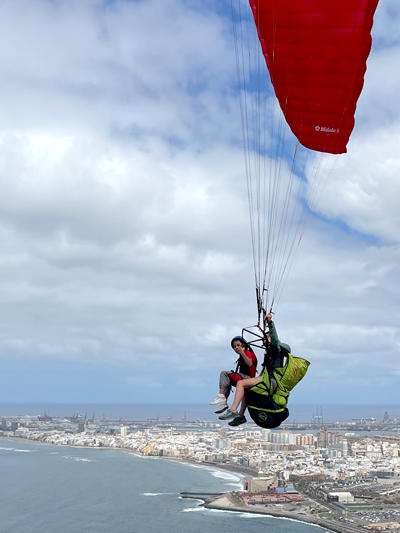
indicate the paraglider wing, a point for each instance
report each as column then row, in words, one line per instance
column 316, row 52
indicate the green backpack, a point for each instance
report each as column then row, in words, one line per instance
column 286, row 377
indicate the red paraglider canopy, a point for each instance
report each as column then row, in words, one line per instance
column 316, row 52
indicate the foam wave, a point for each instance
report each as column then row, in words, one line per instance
column 194, row 509
column 227, row 476
column 271, row 517
column 77, row 458
column 254, row 515
column 16, row 450
column 24, row 451
column 158, row 493
column 295, row 520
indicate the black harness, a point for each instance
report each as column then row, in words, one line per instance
column 242, row 367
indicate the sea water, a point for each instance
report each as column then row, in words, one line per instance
column 300, row 413
column 53, row 489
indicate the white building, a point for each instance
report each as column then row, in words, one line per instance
column 265, row 434
column 341, row 497
column 260, row 484
column 223, row 444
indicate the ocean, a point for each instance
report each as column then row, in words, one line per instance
column 52, row 489
column 299, row 413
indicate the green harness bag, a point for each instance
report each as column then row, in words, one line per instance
column 288, row 376
column 267, row 400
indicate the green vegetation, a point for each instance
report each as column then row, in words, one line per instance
column 364, row 507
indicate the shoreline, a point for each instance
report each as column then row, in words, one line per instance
column 234, row 469
column 212, row 503
column 209, row 503
column 317, row 522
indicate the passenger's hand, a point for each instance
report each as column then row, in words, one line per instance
column 240, row 350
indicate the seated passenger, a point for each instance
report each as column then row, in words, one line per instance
column 245, row 368
column 262, row 403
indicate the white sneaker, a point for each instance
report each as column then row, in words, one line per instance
column 218, row 399
column 221, row 408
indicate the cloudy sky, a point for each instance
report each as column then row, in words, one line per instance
column 125, row 253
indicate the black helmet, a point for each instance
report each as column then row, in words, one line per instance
column 238, row 338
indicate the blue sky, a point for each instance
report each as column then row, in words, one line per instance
column 125, row 254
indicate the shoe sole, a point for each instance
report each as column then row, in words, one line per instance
column 219, row 411
column 238, row 424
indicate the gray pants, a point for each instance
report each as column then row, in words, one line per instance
column 225, row 382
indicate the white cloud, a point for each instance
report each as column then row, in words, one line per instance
column 364, row 193
column 124, row 237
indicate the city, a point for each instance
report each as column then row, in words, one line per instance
column 319, row 473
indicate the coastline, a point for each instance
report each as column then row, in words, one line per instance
column 234, row 469
column 224, row 502
column 314, row 521
column 211, row 503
